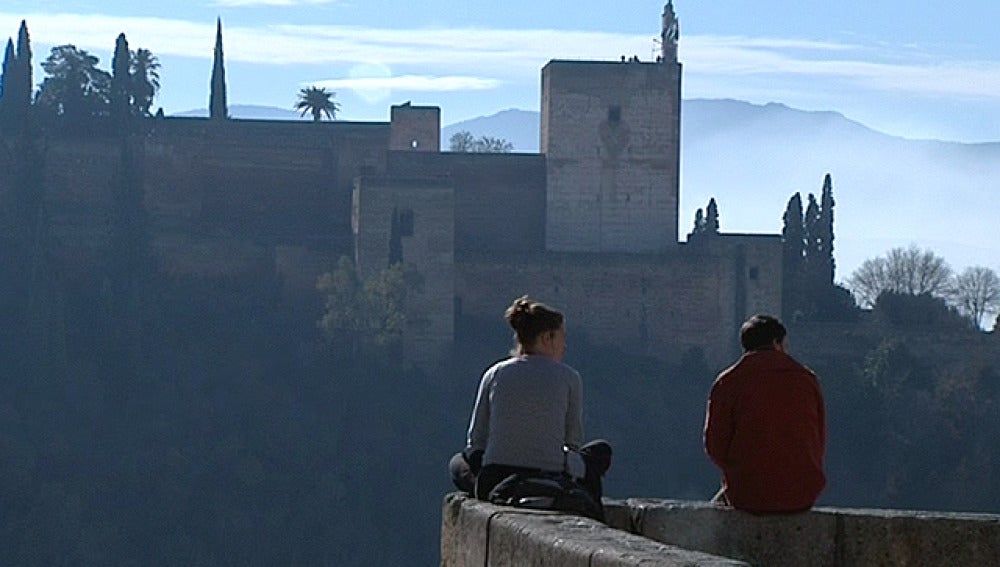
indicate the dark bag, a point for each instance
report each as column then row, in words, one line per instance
column 547, row 491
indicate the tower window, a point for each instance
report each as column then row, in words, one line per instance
column 406, row 222
column 753, row 273
column 614, row 114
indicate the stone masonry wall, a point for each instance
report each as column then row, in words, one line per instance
column 610, row 134
column 499, row 198
column 659, row 305
column 427, row 239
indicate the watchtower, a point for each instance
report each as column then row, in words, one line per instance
column 610, row 132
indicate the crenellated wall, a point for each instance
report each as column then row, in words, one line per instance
column 698, row 533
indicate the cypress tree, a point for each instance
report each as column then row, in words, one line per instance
column 826, row 266
column 712, row 218
column 793, row 252
column 22, row 94
column 812, row 265
column 120, row 79
column 699, row 222
column 6, row 81
column 218, row 108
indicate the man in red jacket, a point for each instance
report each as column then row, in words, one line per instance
column 765, row 425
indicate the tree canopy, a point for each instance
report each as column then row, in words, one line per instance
column 909, row 270
column 318, row 102
column 464, row 141
column 75, row 86
column 976, row 292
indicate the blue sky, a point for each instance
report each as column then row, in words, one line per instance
column 914, row 69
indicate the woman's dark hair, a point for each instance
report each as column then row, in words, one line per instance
column 761, row 332
column 530, row 319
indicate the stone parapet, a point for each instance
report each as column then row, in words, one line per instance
column 835, row 537
column 475, row 533
column 671, row 532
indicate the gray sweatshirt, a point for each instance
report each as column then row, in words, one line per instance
column 527, row 408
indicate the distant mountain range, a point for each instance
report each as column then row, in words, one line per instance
column 890, row 191
column 250, row 112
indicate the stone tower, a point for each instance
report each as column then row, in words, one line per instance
column 611, row 137
column 415, row 128
column 411, row 220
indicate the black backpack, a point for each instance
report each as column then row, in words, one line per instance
column 547, row 491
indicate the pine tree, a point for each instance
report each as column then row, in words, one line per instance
column 218, row 107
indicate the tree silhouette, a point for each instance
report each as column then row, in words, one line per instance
column 317, row 101
column 218, row 107
column 712, row 217
column 75, row 87
column 976, row 292
column 120, row 79
column 825, row 265
column 6, row 80
column 792, row 255
column 464, row 141
column 909, row 271
column 145, row 80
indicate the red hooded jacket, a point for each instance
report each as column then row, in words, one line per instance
column 765, row 427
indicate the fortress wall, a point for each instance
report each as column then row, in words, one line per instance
column 499, row 198
column 415, row 128
column 659, row 305
column 219, row 195
column 79, row 199
column 424, row 223
column 758, row 265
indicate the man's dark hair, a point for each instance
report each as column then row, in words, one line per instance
column 760, row 332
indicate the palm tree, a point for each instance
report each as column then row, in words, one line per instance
column 317, row 101
column 145, row 72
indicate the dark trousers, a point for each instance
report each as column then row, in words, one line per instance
column 596, row 456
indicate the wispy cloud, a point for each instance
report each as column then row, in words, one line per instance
column 423, row 83
column 283, row 3
column 476, row 59
column 882, row 68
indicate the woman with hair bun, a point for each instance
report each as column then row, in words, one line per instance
column 528, row 415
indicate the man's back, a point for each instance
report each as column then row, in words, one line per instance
column 766, row 429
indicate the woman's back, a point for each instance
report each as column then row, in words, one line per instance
column 532, row 407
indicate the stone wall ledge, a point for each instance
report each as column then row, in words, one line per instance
column 834, row 537
column 476, row 533
column 652, row 532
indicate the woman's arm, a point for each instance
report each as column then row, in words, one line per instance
column 479, row 425
column 574, row 412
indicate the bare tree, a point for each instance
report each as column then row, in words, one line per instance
column 463, row 141
column 976, row 292
column 903, row 270
column 915, row 271
column 868, row 281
